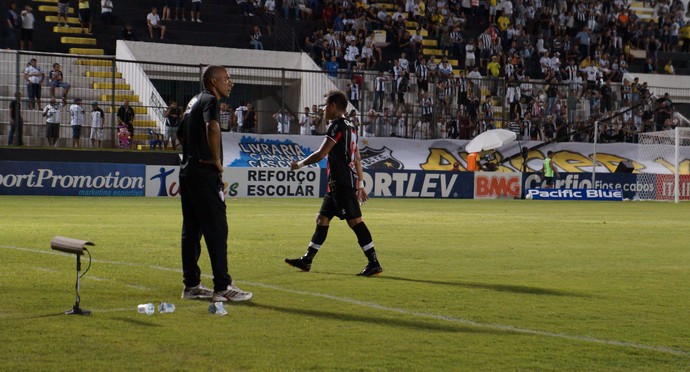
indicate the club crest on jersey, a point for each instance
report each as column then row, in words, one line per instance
column 379, row 159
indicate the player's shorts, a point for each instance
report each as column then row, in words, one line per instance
column 548, row 180
column 52, row 130
column 492, row 10
column 342, row 204
column 76, row 131
column 27, row 34
column 98, row 134
column 196, row 6
column 63, row 8
column 59, row 84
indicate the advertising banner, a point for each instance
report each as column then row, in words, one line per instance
column 71, row 179
column 574, row 194
column 243, row 182
column 418, row 184
column 626, row 182
column 497, row 185
column 386, row 153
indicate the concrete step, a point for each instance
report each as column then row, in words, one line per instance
column 102, row 74
column 110, row 86
column 53, row 9
column 67, row 30
column 70, row 20
column 87, row 51
column 78, row 40
column 120, row 97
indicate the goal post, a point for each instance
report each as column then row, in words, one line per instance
column 665, row 165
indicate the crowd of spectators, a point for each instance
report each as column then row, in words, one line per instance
column 548, row 61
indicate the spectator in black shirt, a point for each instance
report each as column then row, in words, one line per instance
column 125, row 117
column 16, row 121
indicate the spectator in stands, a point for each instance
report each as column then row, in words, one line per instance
column 107, row 12
column 288, row 6
column 379, row 90
column 179, row 10
column 305, row 122
column 196, row 11
column 76, row 113
column 255, row 38
column 250, row 119
column 52, row 114
column 283, row 119
column 125, row 117
column 240, row 114
column 62, row 12
column 97, row 125
column 173, row 116
column 28, row 22
column 56, row 80
column 167, row 10
column 669, row 69
column 85, row 16
column 14, row 26
column 153, row 21
column 332, row 67
column 34, row 77
column 16, row 121
column 128, row 33
column 353, row 93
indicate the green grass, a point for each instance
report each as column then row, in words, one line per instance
column 468, row 285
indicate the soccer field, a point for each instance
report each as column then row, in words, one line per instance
column 467, row 285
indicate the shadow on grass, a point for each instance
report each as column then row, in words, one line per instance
column 494, row 287
column 137, row 322
column 402, row 323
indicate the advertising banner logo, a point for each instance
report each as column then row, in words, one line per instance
column 574, row 194
column 419, row 184
column 497, row 185
column 71, row 179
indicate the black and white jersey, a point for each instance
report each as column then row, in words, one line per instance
column 426, row 104
column 422, row 72
column 201, row 109
column 380, row 82
column 342, row 172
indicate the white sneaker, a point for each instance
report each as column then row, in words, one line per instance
column 196, row 292
column 232, row 293
column 198, row 20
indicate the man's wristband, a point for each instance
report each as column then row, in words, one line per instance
column 300, row 164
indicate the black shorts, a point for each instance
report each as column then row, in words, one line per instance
column 52, row 130
column 27, row 34
column 85, row 15
column 548, row 180
column 196, row 6
column 342, row 204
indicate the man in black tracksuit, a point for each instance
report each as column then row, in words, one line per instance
column 202, row 194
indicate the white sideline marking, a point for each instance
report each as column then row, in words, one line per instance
column 372, row 305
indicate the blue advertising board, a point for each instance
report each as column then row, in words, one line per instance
column 574, row 194
column 419, row 184
column 625, row 182
column 71, row 179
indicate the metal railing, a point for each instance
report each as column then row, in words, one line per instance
column 152, row 86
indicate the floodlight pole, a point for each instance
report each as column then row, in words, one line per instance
column 594, row 157
column 76, row 310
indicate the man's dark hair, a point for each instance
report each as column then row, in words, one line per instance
column 209, row 73
column 337, row 97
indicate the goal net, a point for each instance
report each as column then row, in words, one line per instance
column 664, row 158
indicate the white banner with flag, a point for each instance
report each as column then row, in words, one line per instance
column 379, row 153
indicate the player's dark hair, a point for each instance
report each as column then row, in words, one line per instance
column 209, row 73
column 337, row 97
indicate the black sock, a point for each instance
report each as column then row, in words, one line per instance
column 365, row 241
column 320, row 234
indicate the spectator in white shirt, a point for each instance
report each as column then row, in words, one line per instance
column 76, row 113
column 153, row 20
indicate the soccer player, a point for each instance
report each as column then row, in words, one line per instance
column 345, row 189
